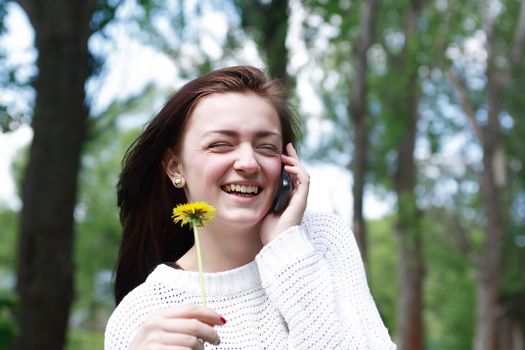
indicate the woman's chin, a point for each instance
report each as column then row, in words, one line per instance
column 242, row 217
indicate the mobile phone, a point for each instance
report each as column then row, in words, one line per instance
column 281, row 199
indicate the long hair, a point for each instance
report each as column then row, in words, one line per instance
column 145, row 194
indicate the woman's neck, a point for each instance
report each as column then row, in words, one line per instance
column 224, row 249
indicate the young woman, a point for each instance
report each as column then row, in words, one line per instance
column 282, row 280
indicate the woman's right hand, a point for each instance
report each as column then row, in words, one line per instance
column 178, row 327
column 273, row 224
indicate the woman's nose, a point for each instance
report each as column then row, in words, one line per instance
column 246, row 160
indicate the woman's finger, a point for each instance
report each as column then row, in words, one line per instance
column 192, row 328
column 290, row 149
column 171, row 347
column 199, row 312
column 182, row 341
column 296, row 168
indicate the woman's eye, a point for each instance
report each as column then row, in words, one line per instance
column 269, row 149
column 218, row 146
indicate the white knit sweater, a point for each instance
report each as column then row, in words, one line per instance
column 306, row 289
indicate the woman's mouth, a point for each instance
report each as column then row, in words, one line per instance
column 241, row 190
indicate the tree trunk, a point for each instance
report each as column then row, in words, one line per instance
column 410, row 260
column 492, row 182
column 267, row 22
column 275, row 31
column 45, row 247
column 512, row 322
column 489, row 270
column 358, row 110
column 486, row 313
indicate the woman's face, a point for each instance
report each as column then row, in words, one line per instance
column 230, row 156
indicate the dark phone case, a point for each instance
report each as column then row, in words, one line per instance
column 281, row 200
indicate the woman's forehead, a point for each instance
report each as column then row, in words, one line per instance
column 234, row 111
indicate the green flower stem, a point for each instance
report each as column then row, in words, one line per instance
column 199, row 263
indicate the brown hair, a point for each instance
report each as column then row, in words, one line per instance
column 146, row 195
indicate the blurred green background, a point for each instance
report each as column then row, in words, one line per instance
column 416, row 106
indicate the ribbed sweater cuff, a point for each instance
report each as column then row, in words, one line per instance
column 286, row 249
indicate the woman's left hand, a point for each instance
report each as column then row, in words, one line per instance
column 275, row 223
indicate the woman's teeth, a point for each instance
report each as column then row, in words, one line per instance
column 241, row 189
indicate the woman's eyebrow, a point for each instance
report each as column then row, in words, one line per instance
column 233, row 133
column 221, row 132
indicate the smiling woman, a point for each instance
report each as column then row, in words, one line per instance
column 237, row 135
column 284, row 280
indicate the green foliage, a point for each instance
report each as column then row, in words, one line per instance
column 8, row 230
column 8, row 328
column 449, row 287
column 133, row 107
column 382, row 268
column 84, row 340
column 8, row 300
column 449, row 290
column 3, row 13
column 12, row 80
column 175, row 29
column 105, row 12
column 98, row 227
column 14, row 77
column 97, row 222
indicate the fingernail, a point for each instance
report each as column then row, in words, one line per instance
column 218, row 341
column 223, row 320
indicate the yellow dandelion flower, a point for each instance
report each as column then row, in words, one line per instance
column 196, row 214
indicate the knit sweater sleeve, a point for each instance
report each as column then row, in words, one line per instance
column 127, row 318
column 314, row 275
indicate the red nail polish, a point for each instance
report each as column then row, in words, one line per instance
column 223, row 320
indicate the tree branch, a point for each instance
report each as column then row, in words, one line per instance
column 518, row 44
column 466, row 104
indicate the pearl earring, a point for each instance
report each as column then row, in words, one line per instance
column 178, row 182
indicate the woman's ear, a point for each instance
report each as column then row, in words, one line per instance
column 173, row 169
